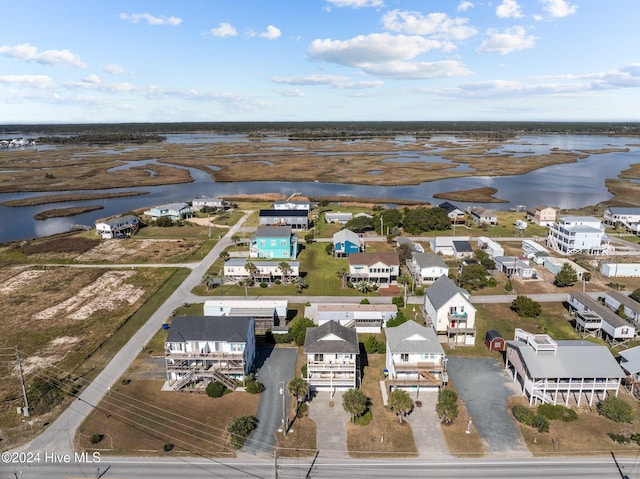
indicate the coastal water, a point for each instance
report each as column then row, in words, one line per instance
column 572, row 185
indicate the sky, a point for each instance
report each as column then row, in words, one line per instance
column 73, row 61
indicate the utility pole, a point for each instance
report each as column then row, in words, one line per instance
column 24, row 390
column 275, row 462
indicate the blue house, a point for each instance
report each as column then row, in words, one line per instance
column 346, row 242
column 274, row 242
column 175, row 211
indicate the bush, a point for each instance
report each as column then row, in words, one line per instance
column 277, row 281
column 541, row 423
column 526, row 307
column 263, row 285
column 96, row 438
column 419, row 291
column 303, row 408
column 619, row 438
column 616, row 409
column 553, row 413
column 373, row 345
column 398, row 301
column 253, row 386
column 239, row 429
column 523, row 414
column 303, row 370
column 282, row 338
column 168, row 447
column 365, row 419
column 215, row 389
column 364, row 301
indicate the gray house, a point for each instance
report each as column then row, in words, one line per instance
column 297, row 219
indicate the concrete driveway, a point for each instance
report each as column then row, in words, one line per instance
column 427, row 432
column 276, row 367
column 485, row 387
column 331, row 423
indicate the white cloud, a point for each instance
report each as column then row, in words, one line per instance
column 291, row 92
column 151, row 19
column 114, row 69
column 341, row 82
column 356, row 3
column 509, row 9
column 271, row 34
column 464, row 6
column 436, row 24
column 93, row 78
column 224, row 30
column 559, row 8
column 510, row 40
column 27, row 52
column 35, row 81
column 417, row 70
column 373, row 48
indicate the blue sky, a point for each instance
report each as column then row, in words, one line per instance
column 303, row 60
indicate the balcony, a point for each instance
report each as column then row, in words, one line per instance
column 417, row 367
column 214, row 356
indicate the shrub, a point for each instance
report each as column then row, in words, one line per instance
column 303, row 408
column 239, row 429
column 562, row 413
column 616, row 409
column 215, row 389
column 263, row 285
column 365, row 419
column 303, row 370
column 373, row 345
column 96, row 438
column 523, row 414
column 277, row 281
column 253, row 386
column 398, row 301
column 168, row 447
column 619, row 438
column 364, row 301
column 541, row 423
column 419, row 291
column 526, row 307
column 282, row 338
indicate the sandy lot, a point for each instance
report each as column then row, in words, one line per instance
column 137, row 250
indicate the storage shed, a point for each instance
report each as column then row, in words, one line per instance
column 494, row 340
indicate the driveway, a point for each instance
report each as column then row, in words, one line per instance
column 276, row 367
column 331, row 423
column 427, row 432
column 485, row 387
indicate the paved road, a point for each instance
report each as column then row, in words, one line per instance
column 332, row 468
column 59, row 436
column 276, row 367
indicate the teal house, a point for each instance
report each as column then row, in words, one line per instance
column 274, row 242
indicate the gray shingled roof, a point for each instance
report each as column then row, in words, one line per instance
column 573, row 359
column 209, row 328
column 428, row 260
column 390, row 259
column 410, row 337
column 273, row 232
column 316, row 340
column 346, row 235
column 442, row 290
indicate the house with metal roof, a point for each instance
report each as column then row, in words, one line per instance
column 425, row 268
column 204, row 201
column 332, row 357
column 271, row 242
column 457, row 246
column 175, row 211
column 266, row 313
column 119, row 227
column 450, row 311
column 338, row 217
column 201, row 349
column 514, row 266
column 292, row 204
column 296, row 219
column 630, row 364
column 491, row 247
column 366, row 318
column 346, row 242
column 595, row 319
column 630, row 307
column 578, row 234
column 621, row 216
column 414, row 358
column 562, row 372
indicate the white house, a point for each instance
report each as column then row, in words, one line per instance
column 491, row 247
column 620, row 270
column 426, row 267
column 555, row 265
column 198, row 203
column 514, row 266
column 457, row 246
column 534, row 251
column 366, row 318
column 381, row 268
column 332, row 357
column 338, row 217
column 455, row 214
column 578, row 234
column 450, row 311
column 414, row 358
column 556, row 372
column 201, row 349
column 593, row 318
column 119, row 227
column 175, row 211
column 292, row 204
column 268, row 271
column 542, row 215
column 630, row 363
column 483, row 216
column 624, row 216
column 630, row 307
column 267, row 313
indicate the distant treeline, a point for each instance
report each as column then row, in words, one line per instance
column 315, row 129
column 101, row 139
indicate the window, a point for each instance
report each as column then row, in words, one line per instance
column 404, row 358
column 318, row 358
column 283, row 242
column 236, row 347
column 272, row 243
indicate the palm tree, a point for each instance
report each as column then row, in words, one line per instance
column 235, row 239
column 299, row 388
column 252, row 269
column 224, row 255
column 355, row 403
column 400, row 402
column 286, row 270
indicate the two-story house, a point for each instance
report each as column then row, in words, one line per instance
column 542, row 215
column 338, row 217
column 332, row 357
column 455, row 214
column 623, row 216
column 119, row 227
column 414, row 357
column 296, row 219
column 204, row 201
column 292, row 204
column 450, row 311
column 201, row 349
column 346, row 242
column 235, row 270
column 274, row 242
column 175, row 211
column 426, row 267
column 381, row 268
column 483, row 216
